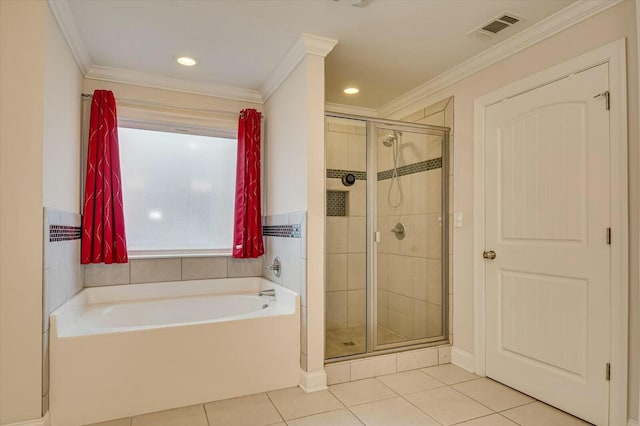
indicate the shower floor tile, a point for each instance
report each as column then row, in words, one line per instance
column 376, row 402
column 353, row 340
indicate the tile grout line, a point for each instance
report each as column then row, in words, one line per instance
column 511, row 420
column 355, row 415
column 477, row 402
column 476, row 418
column 484, row 405
column 420, row 409
column 273, row 404
column 206, row 416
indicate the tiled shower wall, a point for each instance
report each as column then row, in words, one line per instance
column 346, row 234
column 441, row 114
column 285, row 236
column 409, row 269
column 62, row 276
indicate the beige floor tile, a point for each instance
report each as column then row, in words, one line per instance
column 494, row 395
column 341, row 417
column 410, row 382
column 294, row 402
column 447, row 406
column 492, row 420
column 119, row 422
column 396, row 411
column 540, row 414
column 450, row 374
column 186, row 416
column 244, row 411
column 361, row 392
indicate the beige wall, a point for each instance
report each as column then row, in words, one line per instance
column 61, row 150
column 294, row 163
column 286, row 145
column 22, row 64
column 613, row 24
column 315, row 212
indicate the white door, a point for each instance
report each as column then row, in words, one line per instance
column 547, row 214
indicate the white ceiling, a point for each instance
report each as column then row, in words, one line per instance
column 385, row 48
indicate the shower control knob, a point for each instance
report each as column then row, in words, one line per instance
column 489, row 254
column 348, row 179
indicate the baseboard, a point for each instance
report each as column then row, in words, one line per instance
column 463, row 359
column 313, row 381
column 632, row 422
column 44, row 421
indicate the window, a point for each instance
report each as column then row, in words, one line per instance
column 178, row 191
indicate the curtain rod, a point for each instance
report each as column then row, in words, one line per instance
column 214, row 111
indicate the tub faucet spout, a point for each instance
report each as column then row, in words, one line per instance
column 269, row 292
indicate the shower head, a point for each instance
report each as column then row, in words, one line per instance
column 393, row 137
column 389, row 140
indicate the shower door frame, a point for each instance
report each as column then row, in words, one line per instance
column 371, row 285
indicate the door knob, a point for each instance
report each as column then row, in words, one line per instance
column 489, row 254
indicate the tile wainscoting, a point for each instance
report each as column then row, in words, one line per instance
column 62, row 275
column 286, row 237
column 139, row 271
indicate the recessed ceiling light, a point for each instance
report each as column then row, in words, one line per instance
column 351, row 90
column 186, row 61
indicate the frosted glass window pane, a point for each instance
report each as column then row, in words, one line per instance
column 178, row 190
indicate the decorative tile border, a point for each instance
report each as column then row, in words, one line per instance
column 410, row 169
column 283, row 231
column 338, row 174
column 336, row 203
column 64, row 233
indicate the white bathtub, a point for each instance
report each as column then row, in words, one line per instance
column 126, row 350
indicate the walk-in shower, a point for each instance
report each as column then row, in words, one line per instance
column 386, row 236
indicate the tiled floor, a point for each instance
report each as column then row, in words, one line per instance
column 442, row 395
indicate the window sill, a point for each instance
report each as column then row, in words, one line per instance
column 165, row 254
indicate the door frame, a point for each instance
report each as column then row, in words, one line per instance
column 614, row 55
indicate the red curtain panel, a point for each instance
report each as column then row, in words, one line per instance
column 103, row 235
column 247, row 230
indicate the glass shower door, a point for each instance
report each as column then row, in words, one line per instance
column 409, row 221
column 346, row 243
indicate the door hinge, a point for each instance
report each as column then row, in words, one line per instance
column 607, row 98
column 608, row 373
column 609, row 236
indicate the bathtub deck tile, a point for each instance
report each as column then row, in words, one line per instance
column 201, row 268
column 246, row 410
column 186, row 416
column 155, row 270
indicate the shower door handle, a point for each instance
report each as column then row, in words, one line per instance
column 489, row 255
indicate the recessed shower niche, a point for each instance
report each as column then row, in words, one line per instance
column 386, row 235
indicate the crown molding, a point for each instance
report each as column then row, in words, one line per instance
column 565, row 18
column 350, row 109
column 306, row 44
column 67, row 24
column 118, row 75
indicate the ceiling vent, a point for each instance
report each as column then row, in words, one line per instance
column 495, row 25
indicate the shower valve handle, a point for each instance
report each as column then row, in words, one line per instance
column 399, row 230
